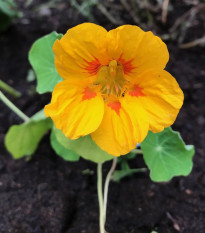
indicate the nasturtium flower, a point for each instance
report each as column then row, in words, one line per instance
column 115, row 87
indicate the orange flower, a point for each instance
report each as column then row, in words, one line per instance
column 114, row 87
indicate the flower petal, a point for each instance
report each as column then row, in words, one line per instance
column 162, row 98
column 80, row 51
column 125, row 123
column 75, row 108
column 137, row 50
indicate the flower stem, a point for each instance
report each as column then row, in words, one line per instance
column 13, row 107
column 100, row 197
column 106, row 187
column 137, row 151
column 9, row 89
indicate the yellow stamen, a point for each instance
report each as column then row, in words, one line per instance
column 113, row 67
column 111, row 78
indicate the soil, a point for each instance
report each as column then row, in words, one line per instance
column 49, row 195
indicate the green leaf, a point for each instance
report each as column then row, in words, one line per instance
column 83, row 146
column 40, row 115
column 22, row 140
column 60, row 150
column 125, row 169
column 131, row 155
column 166, row 155
column 41, row 57
column 8, row 7
column 8, row 11
column 120, row 174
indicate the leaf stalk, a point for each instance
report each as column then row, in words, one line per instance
column 18, row 112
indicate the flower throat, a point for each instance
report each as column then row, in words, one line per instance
column 111, row 78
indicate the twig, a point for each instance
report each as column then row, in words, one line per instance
column 130, row 11
column 108, row 15
column 164, row 11
column 200, row 42
column 181, row 19
column 84, row 9
column 175, row 224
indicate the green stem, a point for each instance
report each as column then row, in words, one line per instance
column 13, row 107
column 9, row 89
column 106, row 187
column 137, row 151
column 100, row 197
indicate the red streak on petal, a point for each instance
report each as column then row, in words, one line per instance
column 115, row 106
column 92, row 66
column 137, row 91
column 88, row 94
column 127, row 65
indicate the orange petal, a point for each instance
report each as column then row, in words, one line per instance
column 136, row 49
column 124, row 124
column 80, row 51
column 136, row 91
column 163, row 98
column 75, row 109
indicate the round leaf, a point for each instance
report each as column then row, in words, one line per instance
column 23, row 139
column 41, row 57
column 83, row 146
column 60, row 150
column 166, row 155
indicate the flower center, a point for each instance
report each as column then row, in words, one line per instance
column 111, row 78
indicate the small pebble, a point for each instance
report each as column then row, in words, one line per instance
column 188, row 191
column 44, row 11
